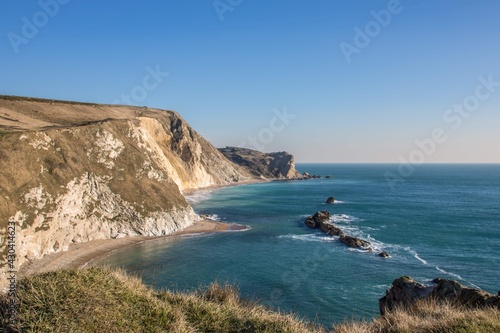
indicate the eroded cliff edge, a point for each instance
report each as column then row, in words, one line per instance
column 73, row 172
column 278, row 165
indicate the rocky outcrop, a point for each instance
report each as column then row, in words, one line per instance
column 405, row 291
column 453, row 291
column 74, row 172
column 318, row 220
column 279, row 165
column 355, row 242
column 306, row 176
column 330, row 200
column 321, row 220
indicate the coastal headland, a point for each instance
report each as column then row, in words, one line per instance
column 74, row 173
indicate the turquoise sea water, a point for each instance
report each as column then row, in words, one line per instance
column 441, row 221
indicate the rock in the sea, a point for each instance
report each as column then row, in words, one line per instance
column 307, row 175
column 319, row 218
column 330, row 200
column 331, row 229
column 329, row 177
column 355, row 242
column 405, row 291
column 383, row 254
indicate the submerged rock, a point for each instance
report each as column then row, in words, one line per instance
column 383, row 254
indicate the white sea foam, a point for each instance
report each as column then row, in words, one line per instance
column 212, row 217
column 198, row 196
column 456, row 276
column 309, row 238
column 439, row 269
column 415, row 255
column 343, row 218
column 351, row 249
column 448, row 273
column 337, row 202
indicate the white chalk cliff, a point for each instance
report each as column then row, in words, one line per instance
column 74, row 172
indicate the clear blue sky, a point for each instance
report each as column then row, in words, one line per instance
column 229, row 77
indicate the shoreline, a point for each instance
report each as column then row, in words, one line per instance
column 84, row 254
column 189, row 191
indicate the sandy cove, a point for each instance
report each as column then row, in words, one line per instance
column 83, row 254
column 187, row 192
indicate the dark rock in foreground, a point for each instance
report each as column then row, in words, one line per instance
column 455, row 292
column 405, row 291
column 383, row 254
column 330, row 200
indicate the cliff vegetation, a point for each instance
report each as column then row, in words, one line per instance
column 99, row 300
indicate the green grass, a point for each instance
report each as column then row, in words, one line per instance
column 100, row 300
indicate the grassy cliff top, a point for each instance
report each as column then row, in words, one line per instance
column 19, row 114
column 99, row 300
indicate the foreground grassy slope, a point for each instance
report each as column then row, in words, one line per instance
column 98, row 300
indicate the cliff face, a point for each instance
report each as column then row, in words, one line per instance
column 74, row 172
column 279, row 165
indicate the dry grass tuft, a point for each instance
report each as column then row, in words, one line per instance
column 100, row 300
column 428, row 316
